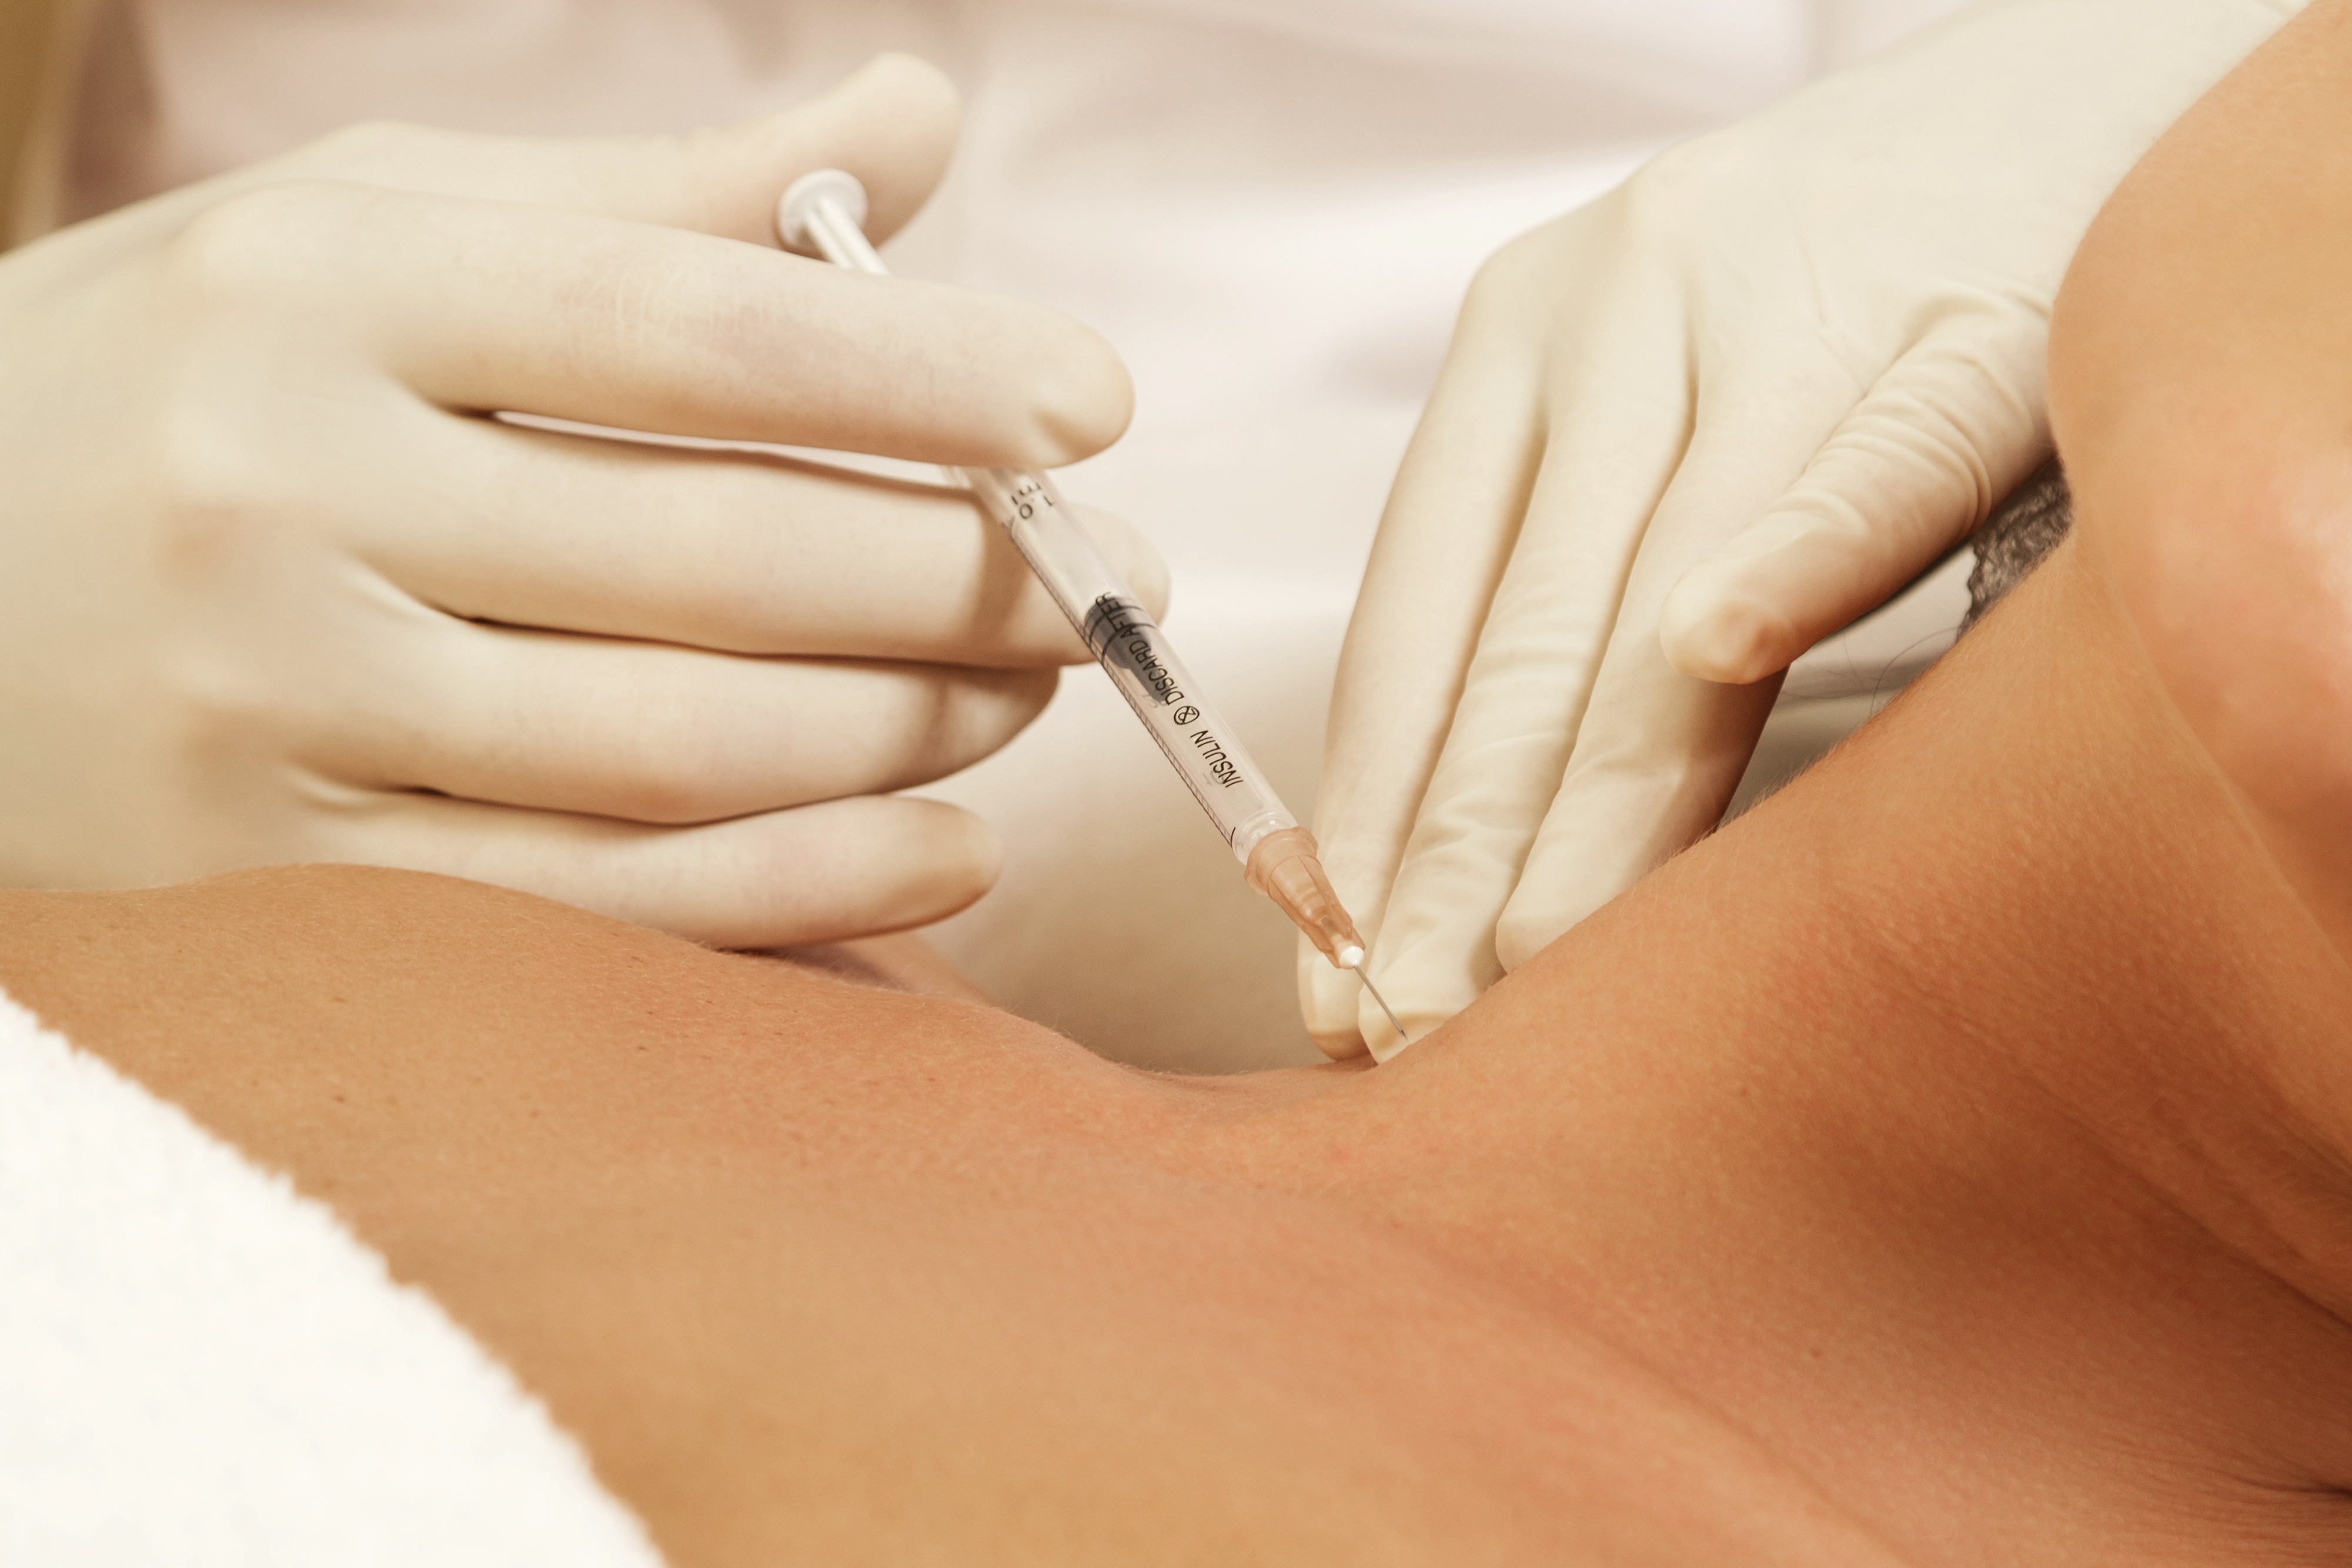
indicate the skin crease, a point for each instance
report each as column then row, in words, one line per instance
column 1950, row 1162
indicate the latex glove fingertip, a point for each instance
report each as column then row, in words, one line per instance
column 1380, row 1037
column 1715, row 627
column 1327, row 1000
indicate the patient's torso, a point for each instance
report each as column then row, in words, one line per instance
column 1971, row 1186
column 827, row 1273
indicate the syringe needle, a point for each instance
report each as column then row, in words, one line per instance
column 1375, row 993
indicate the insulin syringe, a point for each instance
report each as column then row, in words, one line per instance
column 825, row 212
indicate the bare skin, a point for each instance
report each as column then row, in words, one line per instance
column 1948, row 1163
column 1978, row 1197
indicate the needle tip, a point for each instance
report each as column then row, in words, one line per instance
column 1374, row 992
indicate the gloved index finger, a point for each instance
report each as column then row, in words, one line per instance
column 482, row 306
column 1498, row 599
column 1659, row 753
column 1524, row 696
column 1446, row 532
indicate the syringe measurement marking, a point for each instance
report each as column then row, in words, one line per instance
column 1209, row 746
column 1123, row 621
column 1115, row 615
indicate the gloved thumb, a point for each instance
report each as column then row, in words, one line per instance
column 1954, row 425
column 892, row 123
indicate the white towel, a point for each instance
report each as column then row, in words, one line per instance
column 199, row 1366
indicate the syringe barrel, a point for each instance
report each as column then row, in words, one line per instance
column 825, row 209
column 1200, row 744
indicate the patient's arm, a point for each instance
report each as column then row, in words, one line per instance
column 2202, row 386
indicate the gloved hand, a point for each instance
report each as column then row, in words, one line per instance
column 273, row 589
column 1685, row 432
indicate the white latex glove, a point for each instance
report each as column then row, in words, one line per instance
column 272, row 588
column 1685, row 432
